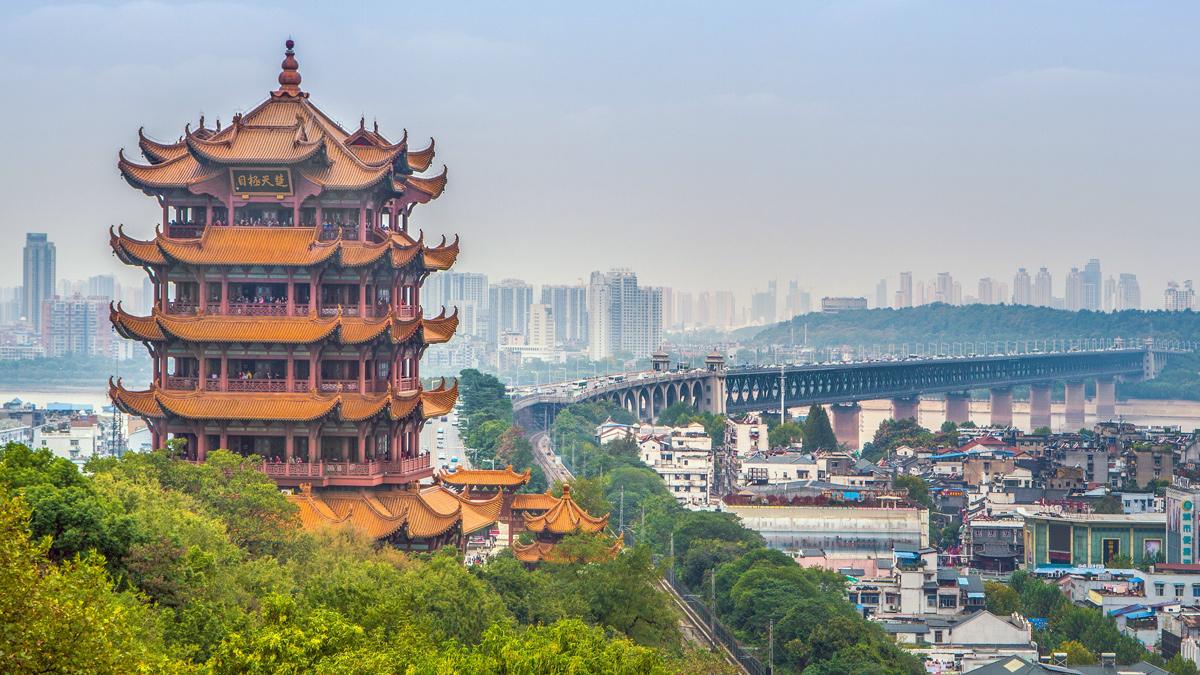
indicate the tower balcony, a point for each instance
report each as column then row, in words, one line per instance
column 300, row 309
column 348, row 474
column 298, row 385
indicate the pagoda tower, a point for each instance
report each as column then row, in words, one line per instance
column 287, row 320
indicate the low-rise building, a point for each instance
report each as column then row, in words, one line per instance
column 776, row 468
column 686, row 469
column 1093, row 538
column 746, row 435
column 962, row 643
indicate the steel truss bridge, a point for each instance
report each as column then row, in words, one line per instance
column 718, row 389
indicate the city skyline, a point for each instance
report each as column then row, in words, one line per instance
column 882, row 127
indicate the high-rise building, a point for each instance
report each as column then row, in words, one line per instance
column 76, row 326
column 704, row 309
column 685, row 310
column 103, row 286
column 1074, row 296
column 568, row 306
column 1129, row 293
column 762, row 305
column 1109, row 296
column 508, row 307
column 1043, row 288
column 1092, row 286
column 991, row 291
column 1179, row 298
column 881, row 294
column 668, row 306
column 835, row 305
column 1022, row 288
column 38, row 277
column 468, row 291
column 904, row 297
column 724, row 310
column 541, row 330
column 944, row 288
column 623, row 317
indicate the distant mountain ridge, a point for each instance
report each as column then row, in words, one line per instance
column 947, row 323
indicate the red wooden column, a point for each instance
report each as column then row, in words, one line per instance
column 201, row 443
column 362, row 295
column 201, row 370
column 289, row 444
column 361, row 453
column 224, row 372
column 362, row 223
column 290, row 372
column 362, row 371
column 202, row 301
column 224, row 293
column 224, row 437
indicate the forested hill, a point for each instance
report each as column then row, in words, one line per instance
column 972, row 323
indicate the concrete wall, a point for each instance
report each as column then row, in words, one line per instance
column 843, row 529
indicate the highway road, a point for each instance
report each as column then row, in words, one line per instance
column 543, row 454
column 451, row 442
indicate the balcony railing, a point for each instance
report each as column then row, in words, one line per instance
column 185, row 230
column 257, row 385
column 259, row 309
column 182, row 307
column 324, row 469
column 181, row 383
column 331, row 232
column 300, row 386
column 408, row 383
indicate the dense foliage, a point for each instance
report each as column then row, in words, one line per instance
column 816, row 631
column 989, row 324
column 1067, row 622
column 489, row 431
column 209, row 572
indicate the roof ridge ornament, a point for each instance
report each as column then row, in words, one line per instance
column 289, row 76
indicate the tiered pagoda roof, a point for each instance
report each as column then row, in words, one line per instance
column 284, row 330
column 539, row 551
column 492, row 478
column 565, row 517
column 287, row 130
column 283, row 406
column 424, row 513
column 538, row 501
column 280, row 246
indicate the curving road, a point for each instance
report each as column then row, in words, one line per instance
column 543, row 455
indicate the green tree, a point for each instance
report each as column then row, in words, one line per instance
column 1108, row 504
column 818, row 432
column 1002, row 600
column 786, row 434
column 918, row 489
column 1077, row 654
column 67, row 617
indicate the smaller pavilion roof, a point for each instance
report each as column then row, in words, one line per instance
column 539, row 551
column 505, row 477
column 565, row 517
column 424, row 513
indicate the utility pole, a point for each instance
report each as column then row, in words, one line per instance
column 621, row 518
column 782, row 392
column 771, row 646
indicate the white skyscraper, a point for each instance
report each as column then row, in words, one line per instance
column 1129, row 293
column 1179, row 298
column 1022, row 288
column 623, row 317
column 568, row 306
column 540, row 332
column 1043, row 288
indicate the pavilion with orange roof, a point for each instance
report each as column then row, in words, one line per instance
column 287, row 319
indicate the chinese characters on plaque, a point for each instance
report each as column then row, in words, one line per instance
column 261, row 181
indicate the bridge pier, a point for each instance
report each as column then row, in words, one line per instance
column 1075, row 399
column 1039, row 405
column 958, row 406
column 846, row 421
column 1106, row 398
column 1002, row 407
column 906, row 407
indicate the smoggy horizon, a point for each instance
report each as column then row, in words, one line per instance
column 705, row 148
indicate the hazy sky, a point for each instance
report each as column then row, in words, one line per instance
column 703, row 144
